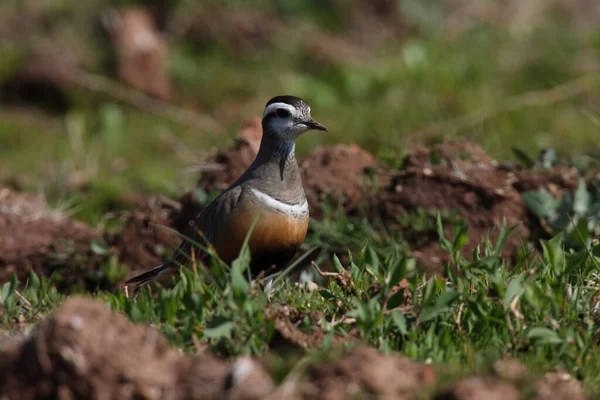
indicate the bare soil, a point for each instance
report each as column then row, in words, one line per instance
column 145, row 239
column 459, row 177
column 35, row 238
column 365, row 370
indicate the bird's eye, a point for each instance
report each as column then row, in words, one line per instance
column 283, row 113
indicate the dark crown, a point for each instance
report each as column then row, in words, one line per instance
column 294, row 101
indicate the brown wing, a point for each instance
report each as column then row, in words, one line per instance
column 208, row 226
column 205, row 233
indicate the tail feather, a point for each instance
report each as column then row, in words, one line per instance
column 164, row 271
column 147, row 277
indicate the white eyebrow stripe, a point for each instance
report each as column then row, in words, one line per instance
column 293, row 210
column 274, row 106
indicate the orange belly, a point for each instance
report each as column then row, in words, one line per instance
column 273, row 241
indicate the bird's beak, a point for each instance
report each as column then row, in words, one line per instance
column 312, row 124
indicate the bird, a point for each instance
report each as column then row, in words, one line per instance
column 267, row 200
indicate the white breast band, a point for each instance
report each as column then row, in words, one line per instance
column 293, row 210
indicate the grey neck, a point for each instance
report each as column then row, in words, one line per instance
column 275, row 171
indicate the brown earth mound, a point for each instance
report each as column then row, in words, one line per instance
column 35, row 238
column 337, row 173
column 231, row 163
column 365, row 370
column 458, row 177
column 480, row 389
column 85, row 351
column 145, row 238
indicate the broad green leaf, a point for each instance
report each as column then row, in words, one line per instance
column 400, row 321
column 219, row 330
column 460, row 235
column 554, row 254
column 373, row 259
column 541, row 203
column 397, row 273
column 439, row 307
column 99, row 247
column 581, row 199
column 444, row 243
column 327, row 295
column 513, row 289
column 337, row 264
column 544, row 335
column 239, row 283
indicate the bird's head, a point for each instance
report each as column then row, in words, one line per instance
column 287, row 117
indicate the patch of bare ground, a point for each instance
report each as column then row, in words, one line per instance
column 559, row 386
column 366, row 371
column 338, row 173
column 35, row 238
column 460, row 177
column 476, row 388
column 144, row 239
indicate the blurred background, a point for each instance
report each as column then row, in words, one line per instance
column 133, row 96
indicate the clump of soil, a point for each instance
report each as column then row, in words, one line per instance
column 366, row 371
column 559, row 386
column 85, row 351
column 230, row 164
column 476, row 388
column 289, row 336
column 556, row 180
column 460, row 177
column 142, row 52
column 35, row 238
column 337, row 173
column 40, row 80
column 145, row 238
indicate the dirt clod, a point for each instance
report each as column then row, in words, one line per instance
column 84, row 351
column 476, row 388
column 141, row 51
column 337, row 172
column 35, row 238
column 288, row 334
column 460, row 178
column 230, row 164
column 366, row 371
column 559, row 386
column 144, row 241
